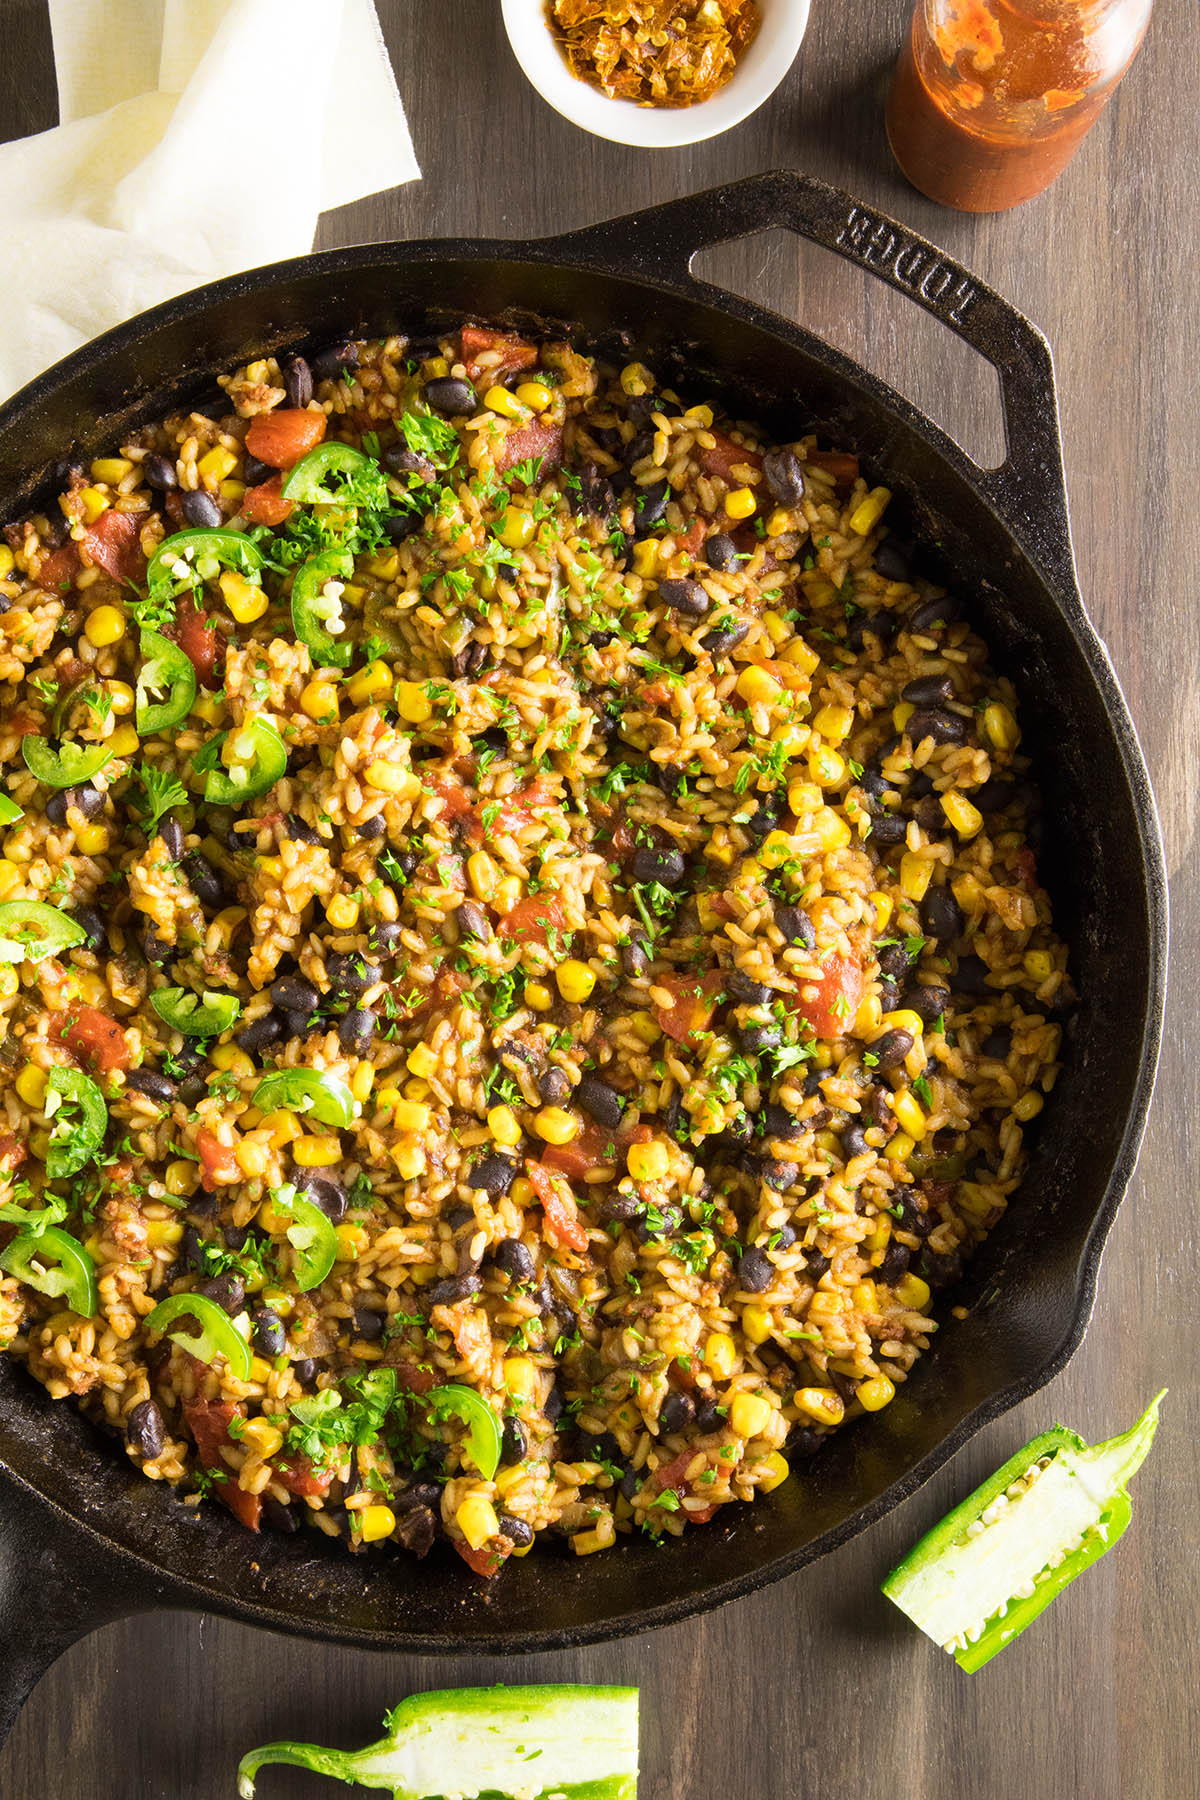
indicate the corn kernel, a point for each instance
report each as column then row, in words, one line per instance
column 410, row 1160
column 110, row 469
column 575, row 980
column 164, row 1232
column 899, row 1148
column 793, row 740
column 94, row 503
column 902, row 713
column 1000, row 727
column 534, row 394
column 1038, row 964
column 411, row 1115
column 912, row 1293
column 867, row 1018
column 342, row 912
column 389, row 778
column 317, row 1152
column 916, row 872
column 422, row 1061
column 827, row 767
column 504, row 1125
column 720, row 1355
column 8, row 562
column 636, row 379
column 908, row 1110
column 10, row 981
column 124, row 741
column 555, row 1126
column 779, row 628
column 775, row 1472
column 645, row 558
column 646, row 1026
column 779, row 521
column 883, row 909
column 520, row 1377
column 209, row 707
column 741, row 503
column 863, row 1297
column 252, row 1158
column 756, row 1323
column 538, row 995
column 965, row 818
column 229, row 1058
column 825, row 1305
column 120, row 696
column 804, row 797
column 476, row 1519
column 482, row 874
column 499, row 400
column 868, row 512
column 1028, row 1106
column 776, row 849
column 279, row 1301
column 435, row 367
column 831, row 829
column 245, row 599
column 232, row 492
column 319, row 699
column 757, row 686
column 875, row 1393
column 700, row 415
column 104, row 626
column 517, row 527
column 507, row 893
column 802, row 655
column 376, row 1522
column 216, row 464
column 181, row 1178
column 648, row 1162
column 265, row 1437
column 823, row 1405
column 903, row 1018
column 92, row 840
column 413, row 703
column 834, row 723
column 374, row 683
column 352, row 1241
column 601, row 1537
column 31, row 1086
column 750, row 1414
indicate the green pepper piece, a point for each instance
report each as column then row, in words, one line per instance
column 484, row 1434
column 315, row 614
column 30, row 930
column 74, row 1277
column 166, row 685
column 10, row 812
column 323, row 1096
column 364, row 484
column 216, row 1335
column 203, row 552
column 196, row 1015
column 73, row 1141
column 311, row 1236
column 68, row 766
column 245, row 781
column 992, row 1565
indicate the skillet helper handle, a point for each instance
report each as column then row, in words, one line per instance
column 1029, row 487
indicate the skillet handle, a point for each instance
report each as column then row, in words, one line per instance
column 1029, row 487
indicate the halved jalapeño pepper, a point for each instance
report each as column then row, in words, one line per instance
column 166, row 685
column 52, row 1263
column 363, row 481
column 10, row 812
column 196, row 1015
column 199, row 555
column 317, row 606
column 31, row 930
column 310, row 1234
column 484, row 1434
column 80, row 1119
column 215, row 1335
column 322, row 1096
column 261, row 759
column 68, row 766
column 979, row 1578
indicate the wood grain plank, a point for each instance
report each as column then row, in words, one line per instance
column 817, row 1687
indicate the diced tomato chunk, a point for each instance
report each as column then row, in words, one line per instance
column 457, row 804
column 417, row 1378
column 693, row 538
column 830, row 1010
column 199, row 640
column 265, row 504
column 695, row 1001
column 470, row 1330
column 218, row 1164
column 59, row 568
column 532, row 920
column 208, row 1422
column 301, row 1479
column 488, row 1560
column 515, row 352
column 562, row 1221
column 12, row 1154
column 538, row 438
column 113, row 543
column 842, row 467
column 94, row 1039
column 1025, row 862
column 594, row 1145
column 724, row 456
column 282, row 437
column 670, row 1475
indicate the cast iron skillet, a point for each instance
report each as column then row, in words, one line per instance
column 83, row 1537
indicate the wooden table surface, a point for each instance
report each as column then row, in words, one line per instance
column 816, row 1687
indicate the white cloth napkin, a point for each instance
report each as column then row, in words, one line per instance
column 198, row 138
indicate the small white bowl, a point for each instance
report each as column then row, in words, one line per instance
column 757, row 75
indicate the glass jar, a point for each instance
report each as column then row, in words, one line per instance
column 992, row 98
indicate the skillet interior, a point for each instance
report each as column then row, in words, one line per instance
column 1030, row 1288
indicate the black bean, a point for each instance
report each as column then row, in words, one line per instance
column 514, row 1441
column 553, row 1086
column 403, row 461
column 784, row 474
column 323, row 1192
column 269, row 1332
column 895, row 1263
column 206, row 883
column 297, row 381
column 228, row 1291
column 600, row 1102
column 666, row 776
column 473, row 922
column 234, row 1237
column 417, row 1530
column 755, row 1270
column 298, row 1024
column 783, row 1238
column 453, row 1289
column 744, row 988
column 384, row 938
column 369, row 1323
column 934, row 722
column 518, row 1533
column 159, row 472
column 351, row 973
column 994, row 795
column 145, row 1431
column 495, row 1175
column 514, row 1259
column 970, row 977
column 371, row 828
column 619, row 1209
column 940, row 1268
column 329, row 363
column 854, row 1142
column 278, row 1516
column 709, row 1417
column 892, row 560
column 928, row 690
column 650, row 503
column 92, row 925
column 686, row 597
column 635, row 959
column 763, row 819
column 87, row 800
column 816, row 1263
column 720, row 552
column 718, row 643
column 796, row 926
column 396, row 526
column 928, row 815
column 677, row 1411
column 300, row 831
column 891, row 1049
column 171, row 833
column 778, row 1122
column 416, row 1493
column 894, row 961
column 407, row 862
column 928, row 1002
column 152, row 1084
column 555, row 1401
column 469, row 660
column 451, row 396
column 932, row 613
column 295, row 994
column 356, row 1029
column 261, row 1032
column 200, row 509
column 780, row 1175
column 256, row 471
column 666, row 866
column 941, row 915
column 755, row 1038
column 305, row 1370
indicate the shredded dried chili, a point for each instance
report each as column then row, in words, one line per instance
column 654, row 52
